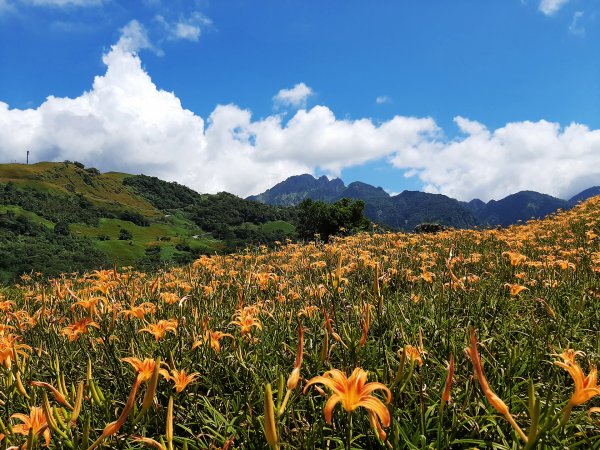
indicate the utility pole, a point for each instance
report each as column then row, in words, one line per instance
column 27, row 156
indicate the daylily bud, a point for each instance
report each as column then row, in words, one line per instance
column 491, row 396
column 293, row 379
column 151, row 389
column 448, row 384
column 60, row 398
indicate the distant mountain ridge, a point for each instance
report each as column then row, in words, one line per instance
column 300, row 187
column 411, row 208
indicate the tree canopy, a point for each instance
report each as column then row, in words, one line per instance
column 328, row 219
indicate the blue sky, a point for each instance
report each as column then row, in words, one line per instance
column 468, row 98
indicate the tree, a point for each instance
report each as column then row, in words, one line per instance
column 324, row 219
column 125, row 235
column 62, row 228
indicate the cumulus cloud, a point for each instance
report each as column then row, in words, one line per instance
column 490, row 164
column 295, row 97
column 126, row 123
column 550, row 7
column 383, row 99
column 188, row 28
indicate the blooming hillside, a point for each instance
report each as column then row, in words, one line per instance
column 459, row 339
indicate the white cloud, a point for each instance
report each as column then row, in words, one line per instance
column 126, row 123
column 295, row 97
column 187, row 28
column 575, row 27
column 383, row 99
column 550, row 7
column 134, row 37
column 519, row 156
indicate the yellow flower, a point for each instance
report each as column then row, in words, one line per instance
column 353, row 392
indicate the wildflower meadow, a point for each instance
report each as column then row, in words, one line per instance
column 462, row 339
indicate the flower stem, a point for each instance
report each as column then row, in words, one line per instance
column 566, row 415
column 516, row 427
column 349, row 432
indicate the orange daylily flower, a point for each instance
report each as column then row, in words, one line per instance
column 586, row 387
column 353, row 392
column 515, row 289
column 427, row 276
column 159, row 329
column 214, row 338
column 413, row 354
column 139, row 311
column 169, row 297
column 569, row 355
column 34, row 422
column 78, row 328
column 245, row 319
column 8, row 347
column 89, row 304
column 516, row 259
column 143, row 368
column 179, row 377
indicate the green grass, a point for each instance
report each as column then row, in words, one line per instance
column 166, row 234
column 33, row 217
column 106, row 190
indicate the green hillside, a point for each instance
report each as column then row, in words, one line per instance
column 105, row 190
column 77, row 218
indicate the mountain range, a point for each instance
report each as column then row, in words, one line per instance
column 411, row 208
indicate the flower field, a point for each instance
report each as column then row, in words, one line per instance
column 461, row 339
